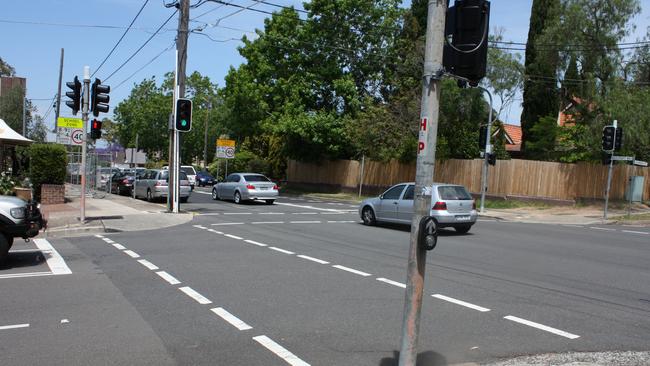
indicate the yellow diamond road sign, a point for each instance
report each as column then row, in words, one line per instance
column 69, row 122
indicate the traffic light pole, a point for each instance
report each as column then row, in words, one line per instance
column 609, row 173
column 488, row 150
column 425, row 166
column 84, row 117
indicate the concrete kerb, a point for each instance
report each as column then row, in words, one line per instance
column 109, row 214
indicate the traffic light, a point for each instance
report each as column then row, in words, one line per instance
column 607, row 158
column 100, row 97
column 609, row 133
column 618, row 142
column 482, row 137
column 96, row 129
column 466, row 33
column 492, row 159
column 183, row 115
column 75, row 95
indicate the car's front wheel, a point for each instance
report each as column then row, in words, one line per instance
column 463, row 229
column 215, row 196
column 5, row 244
column 368, row 216
column 149, row 196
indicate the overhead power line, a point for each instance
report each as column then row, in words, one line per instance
column 145, row 65
column 105, row 26
column 141, row 47
column 121, row 38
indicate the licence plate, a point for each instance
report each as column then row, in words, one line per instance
column 462, row 218
column 263, row 188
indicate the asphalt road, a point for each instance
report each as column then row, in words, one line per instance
column 303, row 282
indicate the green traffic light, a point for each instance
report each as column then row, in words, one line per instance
column 183, row 123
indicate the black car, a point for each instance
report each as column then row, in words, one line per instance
column 122, row 183
column 204, row 178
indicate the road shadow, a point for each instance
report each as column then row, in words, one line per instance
column 23, row 260
column 407, row 229
column 428, row 358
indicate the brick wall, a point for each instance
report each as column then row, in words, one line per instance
column 52, row 194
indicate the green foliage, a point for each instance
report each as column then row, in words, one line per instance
column 6, row 69
column 7, row 184
column 11, row 109
column 48, row 164
column 543, row 139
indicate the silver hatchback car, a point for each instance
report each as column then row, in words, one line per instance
column 240, row 187
column 451, row 206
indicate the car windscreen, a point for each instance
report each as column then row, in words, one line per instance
column 188, row 170
column 452, row 193
column 164, row 174
column 256, row 178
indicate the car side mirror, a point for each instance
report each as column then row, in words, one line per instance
column 381, row 196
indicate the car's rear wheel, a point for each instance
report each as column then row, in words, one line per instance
column 4, row 248
column 149, row 196
column 269, row 202
column 368, row 216
column 463, row 229
column 237, row 197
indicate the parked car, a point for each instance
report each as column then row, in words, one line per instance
column 18, row 219
column 154, row 184
column 451, row 206
column 104, row 176
column 189, row 171
column 122, row 183
column 204, row 178
column 240, row 187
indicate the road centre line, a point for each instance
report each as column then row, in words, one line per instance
column 53, row 258
column 391, row 282
column 131, row 254
column 341, row 222
column 313, row 259
column 307, row 207
column 635, row 232
column 233, row 320
column 256, row 243
column 237, row 213
column 169, row 278
column 271, row 213
column 351, row 270
column 118, row 246
column 215, row 231
column 460, row 302
column 280, row 351
column 228, row 223
column 304, row 222
column 15, row 326
column 233, row 236
column 542, row 327
column 148, row 264
column 266, row 222
column 195, row 295
column 305, row 213
column 601, row 228
column 281, row 250
column 200, row 227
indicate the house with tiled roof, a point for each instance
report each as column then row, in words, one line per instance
column 512, row 134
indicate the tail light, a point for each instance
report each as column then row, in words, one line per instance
column 473, row 205
column 275, row 187
column 125, row 181
column 161, row 183
column 250, row 186
column 439, row 206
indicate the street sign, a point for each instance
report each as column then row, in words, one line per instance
column 225, row 149
column 69, row 136
column 622, row 158
column 66, row 122
column 640, row 163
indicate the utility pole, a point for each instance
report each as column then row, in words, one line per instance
column 84, row 116
column 58, row 95
column 179, row 92
column 423, row 178
column 488, row 150
column 25, row 113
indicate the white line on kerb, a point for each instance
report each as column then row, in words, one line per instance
column 148, row 264
column 53, row 258
column 119, row 246
column 635, row 232
column 233, row 237
column 132, row 254
column 351, row 270
column 195, row 295
column 4, row 327
column 460, row 302
column 169, row 278
column 601, row 228
column 280, row 351
column 281, row 250
column 266, row 222
column 233, row 320
column 542, row 327
column 304, row 222
column 391, row 282
column 228, row 223
column 256, row 243
column 313, row 259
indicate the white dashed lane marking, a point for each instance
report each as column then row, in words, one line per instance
column 542, row 327
column 460, row 302
column 601, row 228
column 195, row 295
column 351, row 270
column 132, row 254
column 281, row 250
column 635, row 232
column 391, row 282
column 233, row 320
column 304, row 222
column 266, row 222
column 233, row 237
column 313, row 259
column 15, row 326
column 256, row 243
column 148, row 264
column 280, row 351
column 169, row 278
column 228, row 223
column 118, row 246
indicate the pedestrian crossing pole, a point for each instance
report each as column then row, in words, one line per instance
column 425, row 165
column 85, row 97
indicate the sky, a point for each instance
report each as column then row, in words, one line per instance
column 35, row 31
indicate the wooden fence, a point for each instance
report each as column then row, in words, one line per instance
column 509, row 178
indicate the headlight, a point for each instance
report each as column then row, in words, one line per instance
column 18, row 212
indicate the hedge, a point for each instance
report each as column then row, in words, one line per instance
column 48, row 164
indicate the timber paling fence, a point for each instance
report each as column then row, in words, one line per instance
column 509, row 178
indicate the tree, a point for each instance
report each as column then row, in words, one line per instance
column 11, row 108
column 37, row 129
column 540, row 92
column 504, row 74
column 6, row 69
